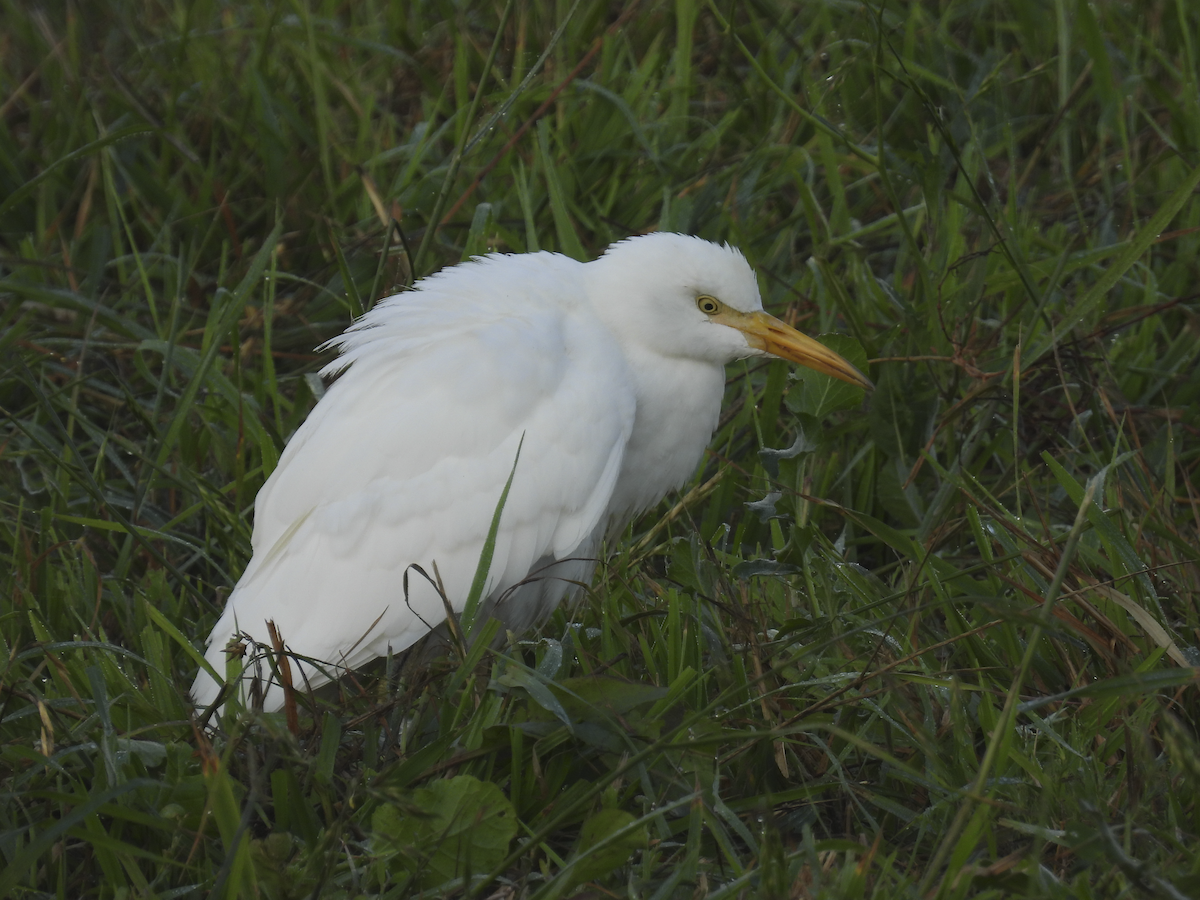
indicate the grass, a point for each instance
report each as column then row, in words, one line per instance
column 945, row 646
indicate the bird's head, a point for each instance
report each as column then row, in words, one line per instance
column 678, row 295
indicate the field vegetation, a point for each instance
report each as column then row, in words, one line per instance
column 940, row 641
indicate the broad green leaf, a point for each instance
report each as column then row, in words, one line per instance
column 609, row 839
column 817, row 394
column 537, row 689
column 465, row 830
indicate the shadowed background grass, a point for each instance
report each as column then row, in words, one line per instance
column 938, row 642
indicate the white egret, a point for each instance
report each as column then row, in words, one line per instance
column 608, row 374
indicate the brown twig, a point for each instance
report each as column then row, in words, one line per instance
column 285, row 678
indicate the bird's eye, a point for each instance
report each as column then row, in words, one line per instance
column 710, row 306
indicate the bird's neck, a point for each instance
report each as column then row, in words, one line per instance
column 678, row 407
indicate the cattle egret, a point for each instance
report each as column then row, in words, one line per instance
column 608, row 375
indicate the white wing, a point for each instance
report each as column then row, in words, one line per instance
column 404, row 459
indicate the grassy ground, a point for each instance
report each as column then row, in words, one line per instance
column 949, row 649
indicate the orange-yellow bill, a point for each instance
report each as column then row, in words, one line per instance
column 765, row 332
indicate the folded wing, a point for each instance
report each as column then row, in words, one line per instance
column 404, row 460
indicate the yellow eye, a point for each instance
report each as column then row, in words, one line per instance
column 710, row 306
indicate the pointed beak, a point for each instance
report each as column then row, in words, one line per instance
column 766, row 333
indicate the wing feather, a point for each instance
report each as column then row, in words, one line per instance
column 404, row 459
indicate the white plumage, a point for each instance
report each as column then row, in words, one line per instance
column 608, row 374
